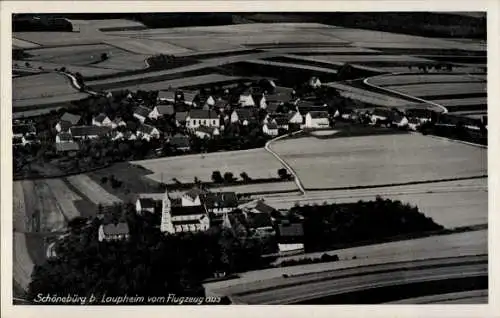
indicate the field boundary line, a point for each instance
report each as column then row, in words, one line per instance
column 366, row 81
column 455, row 140
column 267, row 147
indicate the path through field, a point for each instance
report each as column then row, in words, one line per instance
column 92, row 190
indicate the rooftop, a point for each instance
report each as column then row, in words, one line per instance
column 202, row 113
column 220, row 200
column 72, row 118
column 165, row 109
column 77, row 131
column 116, row 229
column 142, row 111
column 318, row 114
column 188, row 210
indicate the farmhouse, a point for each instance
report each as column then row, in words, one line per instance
column 262, row 207
column 67, row 121
column 317, row 119
column 399, row 121
column 63, row 137
column 221, row 202
column 141, row 113
column 246, row 99
column 272, row 107
column 128, row 135
column 281, row 122
column 162, row 110
column 186, row 219
column 88, row 132
column 187, row 97
column 116, row 135
column 314, row 82
column 145, row 205
column 148, row 132
column 295, row 118
column 166, row 96
column 192, row 197
column 206, row 132
column 379, row 116
column 200, row 117
column 244, row 116
column 290, row 237
column 23, row 130
column 220, row 104
column 259, row 100
column 260, row 224
column 270, row 129
column 118, row 122
column 114, row 232
column 101, row 120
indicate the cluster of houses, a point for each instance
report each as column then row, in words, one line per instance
column 23, row 133
column 197, row 210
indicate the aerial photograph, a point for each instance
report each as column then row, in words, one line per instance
column 249, row 158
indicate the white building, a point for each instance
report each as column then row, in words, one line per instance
column 317, row 119
column 295, row 118
column 270, row 129
column 102, row 120
column 200, row 117
column 189, row 218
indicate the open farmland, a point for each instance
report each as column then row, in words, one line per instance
column 368, row 58
column 77, row 55
column 35, row 90
column 452, row 204
column 108, row 24
column 437, row 89
column 146, row 46
column 258, row 163
column 258, row 188
column 85, row 70
column 377, row 160
column 91, row 190
column 407, row 79
column 22, row 44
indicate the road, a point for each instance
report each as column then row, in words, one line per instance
column 282, row 290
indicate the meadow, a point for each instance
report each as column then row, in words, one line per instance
column 376, row 160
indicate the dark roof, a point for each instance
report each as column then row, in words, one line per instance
column 166, row 95
column 246, row 113
column 67, row 146
column 318, row 114
column 195, row 192
column 117, row 120
column 272, row 126
column 23, row 129
column 281, row 120
column 257, row 98
column 181, row 116
column 188, row 210
column 205, row 129
column 179, row 141
column 189, row 96
column 272, row 107
column 291, row 114
column 65, row 136
column 221, row 103
column 147, row 203
column 165, row 109
column 291, row 229
column 259, row 220
column 381, row 112
column 100, row 117
column 142, row 111
column 264, row 208
column 77, row 131
column 116, row 229
column 72, row 118
column 186, row 222
column 17, row 140
column 202, row 113
column 220, row 200
column 146, row 129
column 176, row 202
column 65, row 125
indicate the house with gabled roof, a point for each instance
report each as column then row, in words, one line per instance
column 66, row 121
column 220, row 202
column 259, row 100
column 200, row 117
column 290, row 237
column 185, row 219
column 190, row 98
column 206, row 132
column 166, row 96
column 143, row 205
column 192, row 197
column 141, row 113
column 101, row 120
column 113, row 232
column 270, row 129
column 220, row 104
column 67, row 147
column 317, row 119
column 118, row 122
column 161, row 111
column 63, row 137
column 294, row 117
column 180, row 142
column 246, row 99
column 260, row 224
column 180, row 118
column 148, row 132
column 244, row 116
column 281, row 122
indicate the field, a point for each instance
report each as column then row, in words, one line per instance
column 86, row 71
column 407, row 79
column 259, row 187
column 423, row 90
column 368, row 58
column 375, row 160
column 258, row 163
column 22, row 44
column 34, row 90
column 92, row 190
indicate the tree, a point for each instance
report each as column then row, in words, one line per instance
column 283, row 173
column 104, row 56
column 104, row 180
column 217, row 177
column 244, row 176
column 228, row 177
column 27, row 64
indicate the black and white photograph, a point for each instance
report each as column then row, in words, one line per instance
column 248, row 158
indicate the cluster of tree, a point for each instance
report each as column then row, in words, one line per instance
column 331, row 225
column 115, row 183
column 284, row 174
column 325, row 258
column 437, row 67
column 149, row 263
column 456, row 130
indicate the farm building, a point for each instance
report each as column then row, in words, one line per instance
column 314, row 82
column 180, row 142
column 190, row 97
column 166, row 96
column 116, row 135
column 246, row 99
column 206, row 132
column 141, row 113
column 88, row 132
column 290, row 237
column 220, row 104
column 244, row 116
column 192, row 197
column 63, row 137
column 101, row 120
column 270, row 129
column 281, row 122
column 67, row 121
column 161, row 110
column 380, row 115
column 118, row 122
column 114, row 232
column 317, row 119
column 399, row 121
column 148, row 132
column 23, row 130
column 260, row 224
column 295, row 118
column 259, row 100
column 220, row 202
column 145, row 205
column 200, row 117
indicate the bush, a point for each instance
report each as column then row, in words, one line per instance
column 104, row 180
column 217, row 177
column 228, row 177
